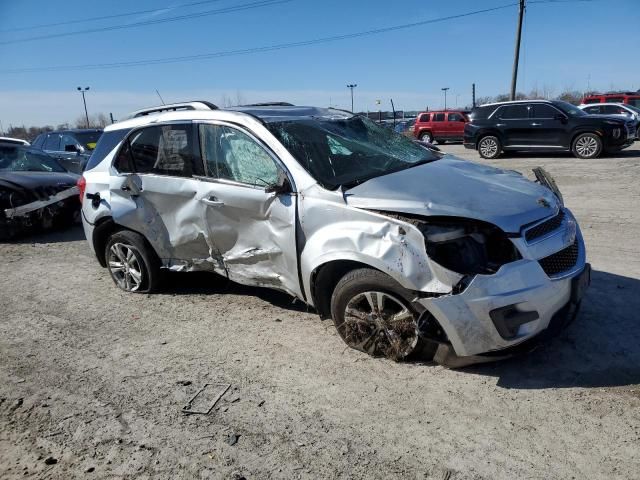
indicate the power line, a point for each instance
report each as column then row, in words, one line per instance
column 247, row 6
column 106, row 17
column 268, row 48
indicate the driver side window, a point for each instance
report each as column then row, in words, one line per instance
column 232, row 155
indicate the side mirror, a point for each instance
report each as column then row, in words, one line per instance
column 74, row 148
column 281, row 186
column 561, row 117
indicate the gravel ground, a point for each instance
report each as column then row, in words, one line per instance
column 93, row 380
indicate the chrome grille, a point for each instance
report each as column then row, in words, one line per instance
column 545, row 227
column 561, row 261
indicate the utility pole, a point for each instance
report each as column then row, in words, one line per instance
column 516, row 57
column 445, row 96
column 473, row 94
column 84, row 100
column 351, row 87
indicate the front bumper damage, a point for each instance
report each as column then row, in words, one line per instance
column 508, row 312
column 45, row 212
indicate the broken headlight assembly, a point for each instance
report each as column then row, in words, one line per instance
column 468, row 247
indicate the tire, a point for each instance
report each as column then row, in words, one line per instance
column 391, row 331
column 489, row 147
column 441, row 142
column 587, row 145
column 426, row 137
column 132, row 264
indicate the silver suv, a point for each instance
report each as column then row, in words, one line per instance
column 409, row 251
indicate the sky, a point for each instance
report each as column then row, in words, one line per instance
column 566, row 45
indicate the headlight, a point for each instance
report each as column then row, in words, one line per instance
column 468, row 247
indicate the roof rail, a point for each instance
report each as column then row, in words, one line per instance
column 174, row 107
column 269, row 104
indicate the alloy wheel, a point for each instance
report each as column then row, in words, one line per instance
column 125, row 267
column 488, row 147
column 586, row 146
column 379, row 324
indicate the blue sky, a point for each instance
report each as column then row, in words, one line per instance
column 565, row 45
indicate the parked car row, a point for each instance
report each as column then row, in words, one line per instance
column 604, row 123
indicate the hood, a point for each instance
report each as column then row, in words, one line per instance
column 453, row 187
column 618, row 117
column 32, row 180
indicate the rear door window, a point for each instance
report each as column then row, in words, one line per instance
column 514, row 112
column 438, row 117
column 541, row 111
column 171, row 150
column 53, row 142
column 105, row 146
column 593, row 110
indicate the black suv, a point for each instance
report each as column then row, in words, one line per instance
column 72, row 148
column 541, row 125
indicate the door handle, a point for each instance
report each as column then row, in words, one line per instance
column 534, row 124
column 213, row 201
column 501, row 124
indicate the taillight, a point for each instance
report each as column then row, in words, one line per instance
column 82, row 185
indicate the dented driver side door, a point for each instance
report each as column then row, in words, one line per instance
column 253, row 230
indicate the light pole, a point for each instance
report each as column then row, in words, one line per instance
column 445, row 96
column 84, row 100
column 351, row 87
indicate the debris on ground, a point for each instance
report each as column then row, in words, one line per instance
column 206, row 398
column 51, row 461
column 232, row 439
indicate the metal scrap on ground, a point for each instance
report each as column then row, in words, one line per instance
column 206, row 398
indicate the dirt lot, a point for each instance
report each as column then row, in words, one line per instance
column 95, row 379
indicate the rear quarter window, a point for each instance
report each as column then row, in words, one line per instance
column 108, row 141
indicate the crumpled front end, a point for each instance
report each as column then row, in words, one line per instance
column 517, row 303
column 25, row 210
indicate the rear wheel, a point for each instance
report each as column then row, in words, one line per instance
column 489, row 147
column 373, row 314
column 426, row 137
column 133, row 266
column 587, row 145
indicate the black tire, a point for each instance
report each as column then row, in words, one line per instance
column 390, row 331
column 587, row 146
column 441, row 142
column 122, row 267
column 489, row 147
column 426, row 137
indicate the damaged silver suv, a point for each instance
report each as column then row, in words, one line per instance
column 408, row 251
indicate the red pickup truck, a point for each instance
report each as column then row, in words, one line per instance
column 441, row 126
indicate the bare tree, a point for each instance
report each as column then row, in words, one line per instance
column 571, row 96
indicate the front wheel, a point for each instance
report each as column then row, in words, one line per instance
column 426, row 137
column 587, row 145
column 373, row 314
column 489, row 147
column 133, row 266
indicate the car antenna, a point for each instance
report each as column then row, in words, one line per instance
column 160, row 97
